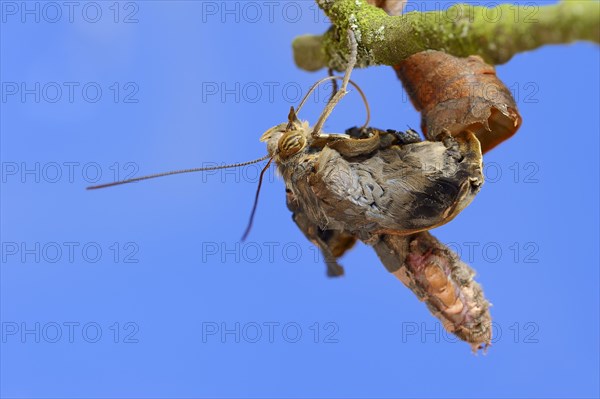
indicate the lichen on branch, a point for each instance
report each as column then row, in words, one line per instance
column 494, row 33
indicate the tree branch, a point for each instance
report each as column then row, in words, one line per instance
column 496, row 34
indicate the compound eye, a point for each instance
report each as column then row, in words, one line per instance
column 291, row 143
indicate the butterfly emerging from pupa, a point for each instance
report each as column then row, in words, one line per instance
column 387, row 189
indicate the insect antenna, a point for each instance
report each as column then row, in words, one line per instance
column 176, row 172
column 262, row 173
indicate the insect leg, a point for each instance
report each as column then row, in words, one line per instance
column 332, row 243
column 343, row 89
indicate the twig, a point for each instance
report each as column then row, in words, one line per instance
column 496, row 34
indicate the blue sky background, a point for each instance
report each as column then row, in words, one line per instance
column 144, row 317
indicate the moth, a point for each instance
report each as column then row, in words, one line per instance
column 387, row 189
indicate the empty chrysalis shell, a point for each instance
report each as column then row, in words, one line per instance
column 458, row 94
